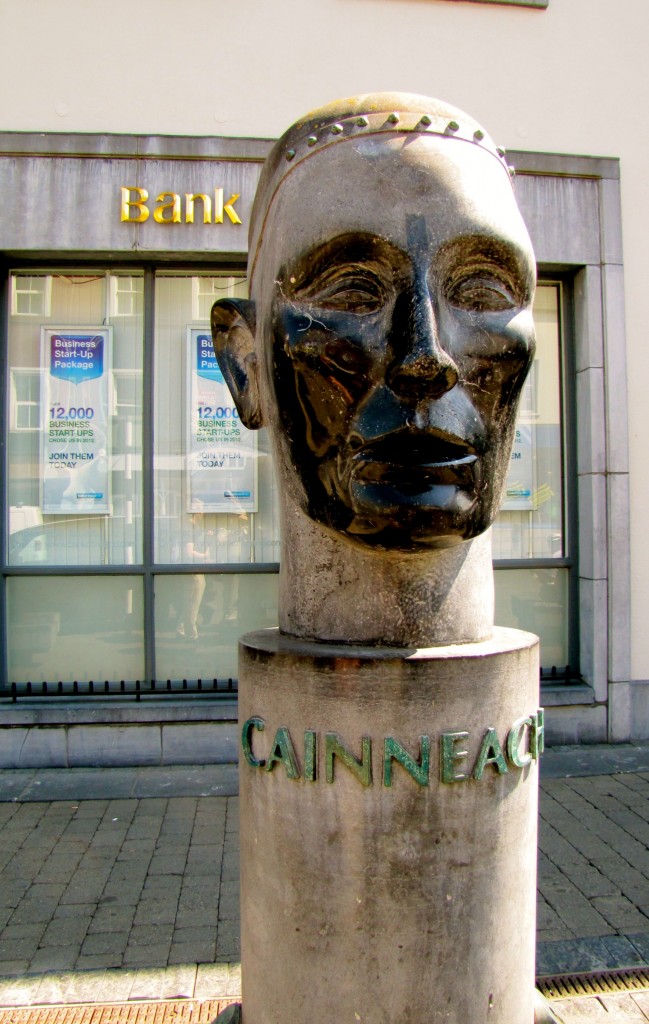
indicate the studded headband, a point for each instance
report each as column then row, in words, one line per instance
column 358, row 117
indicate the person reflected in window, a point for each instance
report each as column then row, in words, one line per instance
column 194, row 584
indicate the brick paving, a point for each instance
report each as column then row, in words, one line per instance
column 133, row 898
column 630, row 1008
column 593, row 873
column 132, row 884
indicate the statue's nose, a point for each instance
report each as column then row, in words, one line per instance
column 420, row 368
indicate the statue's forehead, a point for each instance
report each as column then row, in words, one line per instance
column 376, row 185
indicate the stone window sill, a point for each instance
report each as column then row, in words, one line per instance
column 561, row 694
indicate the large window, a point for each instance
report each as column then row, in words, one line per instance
column 142, row 533
column 75, row 628
column 132, row 552
column 201, row 514
column 532, row 542
column 75, row 422
column 215, row 500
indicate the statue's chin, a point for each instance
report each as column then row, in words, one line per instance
column 396, row 501
column 415, row 531
column 405, row 513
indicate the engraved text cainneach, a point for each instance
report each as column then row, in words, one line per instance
column 462, row 757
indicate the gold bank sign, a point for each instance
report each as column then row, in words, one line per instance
column 177, row 208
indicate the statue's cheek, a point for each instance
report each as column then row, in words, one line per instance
column 326, row 407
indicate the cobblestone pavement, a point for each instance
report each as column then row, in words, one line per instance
column 108, row 898
column 593, row 873
column 617, row 1009
column 133, row 884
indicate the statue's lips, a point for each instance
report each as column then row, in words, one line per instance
column 416, row 463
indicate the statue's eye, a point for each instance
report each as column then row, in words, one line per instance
column 357, row 291
column 482, row 293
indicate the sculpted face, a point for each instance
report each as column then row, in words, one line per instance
column 393, row 290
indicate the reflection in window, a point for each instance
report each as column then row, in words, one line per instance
column 73, row 537
column 536, row 600
column 200, row 617
column 207, row 289
column 125, row 295
column 195, row 521
column 31, row 295
column 530, row 523
column 25, row 399
column 75, row 628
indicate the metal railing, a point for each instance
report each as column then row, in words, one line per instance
column 136, row 689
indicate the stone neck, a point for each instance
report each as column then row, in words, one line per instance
column 332, row 589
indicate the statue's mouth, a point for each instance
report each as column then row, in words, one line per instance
column 415, row 463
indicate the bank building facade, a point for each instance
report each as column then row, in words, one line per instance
column 140, row 531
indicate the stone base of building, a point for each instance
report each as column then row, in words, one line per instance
column 96, row 734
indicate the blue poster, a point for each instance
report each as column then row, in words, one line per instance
column 519, row 487
column 221, row 452
column 76, row 421
column 206, row 364
column 76, row 357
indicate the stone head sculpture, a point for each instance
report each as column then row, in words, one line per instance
column 385, row 345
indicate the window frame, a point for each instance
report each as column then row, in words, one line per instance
column 148, row 568
column 585, row 247
column 557, row 676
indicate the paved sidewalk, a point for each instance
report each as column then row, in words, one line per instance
column 593, row 873
column 120, row 884
column 149, row 886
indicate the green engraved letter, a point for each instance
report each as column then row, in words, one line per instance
column 518, row 757
column 246, row 741
column 283, row 753
column 361, row 769
column 393, row 751
column 449, row 756
column 537, row 738
column 490, row 753
column 310, row 755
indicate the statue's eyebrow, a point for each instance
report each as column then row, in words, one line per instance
column 485, row 253
column 344, row 250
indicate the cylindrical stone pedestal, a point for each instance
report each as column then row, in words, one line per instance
column 388, row 831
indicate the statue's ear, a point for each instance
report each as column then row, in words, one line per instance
column 233, row 337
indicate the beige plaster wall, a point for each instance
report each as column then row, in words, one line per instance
column 571, row 79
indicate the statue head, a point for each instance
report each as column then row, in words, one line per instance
column 389, row 329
